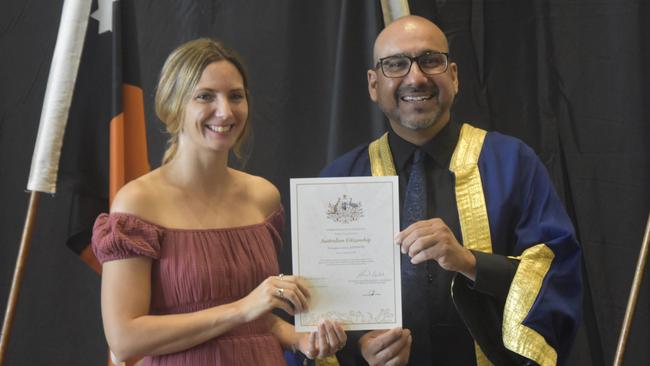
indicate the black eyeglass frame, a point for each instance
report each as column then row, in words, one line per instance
column 380, row 64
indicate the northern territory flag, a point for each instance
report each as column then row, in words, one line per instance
column 105, row 141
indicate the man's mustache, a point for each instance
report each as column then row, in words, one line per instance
column 407, row 89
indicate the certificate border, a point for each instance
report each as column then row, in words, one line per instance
column 295, row 185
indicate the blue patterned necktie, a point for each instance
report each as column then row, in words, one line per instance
column 415, row 198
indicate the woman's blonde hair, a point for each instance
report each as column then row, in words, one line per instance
column 180, row 74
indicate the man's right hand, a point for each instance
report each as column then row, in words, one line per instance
column 386, row 347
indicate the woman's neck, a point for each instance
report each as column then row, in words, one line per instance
column 204, row 174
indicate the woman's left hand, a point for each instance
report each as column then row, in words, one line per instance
column 326, row 341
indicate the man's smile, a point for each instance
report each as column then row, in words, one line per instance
column 416, row 98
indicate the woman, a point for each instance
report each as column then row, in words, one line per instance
column 189, row 249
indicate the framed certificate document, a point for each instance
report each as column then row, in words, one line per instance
column 342, row 232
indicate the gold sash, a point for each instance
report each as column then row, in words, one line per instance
column 327, row 361
column 475, row 229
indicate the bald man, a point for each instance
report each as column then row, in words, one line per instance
column 490, row 263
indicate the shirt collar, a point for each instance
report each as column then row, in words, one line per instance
column 440, row 148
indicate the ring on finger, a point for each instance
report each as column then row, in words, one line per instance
column 280, row 292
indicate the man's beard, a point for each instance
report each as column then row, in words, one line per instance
column 416, row 123
column 421, row 124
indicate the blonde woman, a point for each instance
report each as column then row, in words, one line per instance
column 190, row 273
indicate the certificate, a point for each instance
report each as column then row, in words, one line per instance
column 342, row 236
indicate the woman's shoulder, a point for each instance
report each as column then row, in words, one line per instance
column 128, row 231
column 140, row 197
column 260, row 191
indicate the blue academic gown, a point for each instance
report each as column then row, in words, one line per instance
column 523, row 211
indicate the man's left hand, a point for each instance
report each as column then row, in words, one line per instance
column 433, row 240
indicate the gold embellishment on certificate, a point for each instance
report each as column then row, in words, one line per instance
column 342, row 232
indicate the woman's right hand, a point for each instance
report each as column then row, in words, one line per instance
column 288, row 293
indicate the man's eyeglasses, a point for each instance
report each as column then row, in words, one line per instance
column 430, row 63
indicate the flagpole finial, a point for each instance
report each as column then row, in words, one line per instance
column 394, row 9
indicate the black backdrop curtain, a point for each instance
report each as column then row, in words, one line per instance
column 569, row 78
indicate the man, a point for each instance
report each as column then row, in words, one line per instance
column 490, row 263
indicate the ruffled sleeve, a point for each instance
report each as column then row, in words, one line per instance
column 275, row 224
column 121, row 236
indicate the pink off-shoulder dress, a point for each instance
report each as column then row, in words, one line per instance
column 198, row 269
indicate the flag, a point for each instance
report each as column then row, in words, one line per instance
column 47, row 150
column 105, row 144
column 394, row 9
column 58, row 95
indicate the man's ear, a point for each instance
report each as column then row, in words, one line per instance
column 453, row 71
column 372, row 84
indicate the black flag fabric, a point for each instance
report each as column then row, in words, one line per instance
column 105, row 143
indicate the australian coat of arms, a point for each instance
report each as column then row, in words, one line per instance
column 344, row 210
